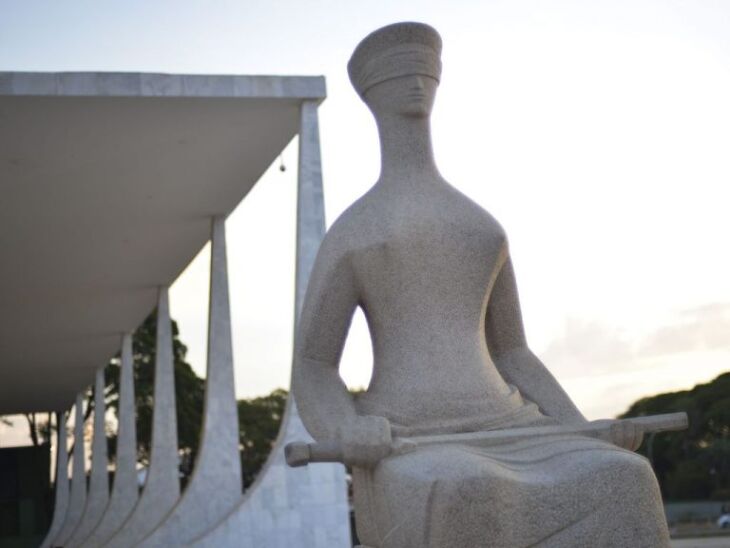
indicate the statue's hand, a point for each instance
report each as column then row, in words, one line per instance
column 625, row 434
column 365, row 440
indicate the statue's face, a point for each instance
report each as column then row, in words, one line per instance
column 411, row 96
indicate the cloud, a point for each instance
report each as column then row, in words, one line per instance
column 605, row 369
column 587, row 346
column 701, row 328
column 590, row 347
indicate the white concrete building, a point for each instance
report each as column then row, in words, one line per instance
column 110, row 184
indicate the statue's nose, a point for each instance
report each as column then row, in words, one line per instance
column 418, row 83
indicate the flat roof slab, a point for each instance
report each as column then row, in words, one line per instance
column 108, row 183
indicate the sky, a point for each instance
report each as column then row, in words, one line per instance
column 597, row 133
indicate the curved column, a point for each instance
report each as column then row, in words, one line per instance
column 61, row 496
column 98, row 495
column 162, row 487
column 215, row 485
column 294, row 506
column 77, row 498
column 125, row 491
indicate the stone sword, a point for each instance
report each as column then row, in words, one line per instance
column 301, row 453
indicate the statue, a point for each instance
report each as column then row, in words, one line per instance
column 463, row 438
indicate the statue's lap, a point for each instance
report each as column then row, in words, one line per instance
column 544, row 485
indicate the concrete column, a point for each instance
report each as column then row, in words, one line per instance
column 77, row 498
column 310, row 202
column 215, row 485
column 61, row 497
column 98, row 495
column 125, row 491
column 294, row 506
column 162, row 487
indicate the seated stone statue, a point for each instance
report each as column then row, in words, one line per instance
column 432, row 272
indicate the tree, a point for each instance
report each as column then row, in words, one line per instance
column 189, row 391
column 259, row 420
column 693, row 464
column 36, row 429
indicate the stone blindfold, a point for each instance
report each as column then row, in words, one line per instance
column 397, row 61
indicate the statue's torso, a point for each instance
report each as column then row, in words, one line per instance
column 424, row 263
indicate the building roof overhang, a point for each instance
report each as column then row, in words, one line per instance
column 108, row 183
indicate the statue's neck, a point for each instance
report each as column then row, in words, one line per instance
column 405, row 150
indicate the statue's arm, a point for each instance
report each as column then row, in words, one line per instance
column 516, row 362
column 330, row 301
column 326, row 406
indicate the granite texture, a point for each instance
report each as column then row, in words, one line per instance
column 162, row 486
column 432, row 272
column 308, row 506
column 61, row 491
column 125, row 491
column 77, row 498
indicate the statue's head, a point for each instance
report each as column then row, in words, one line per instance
column 397, row 68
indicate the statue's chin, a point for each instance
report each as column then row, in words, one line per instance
column 417, row 111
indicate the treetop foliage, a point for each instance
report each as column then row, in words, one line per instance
column 693, row 464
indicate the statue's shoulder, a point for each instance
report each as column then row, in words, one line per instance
column 346, row 233
column 355, row 223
